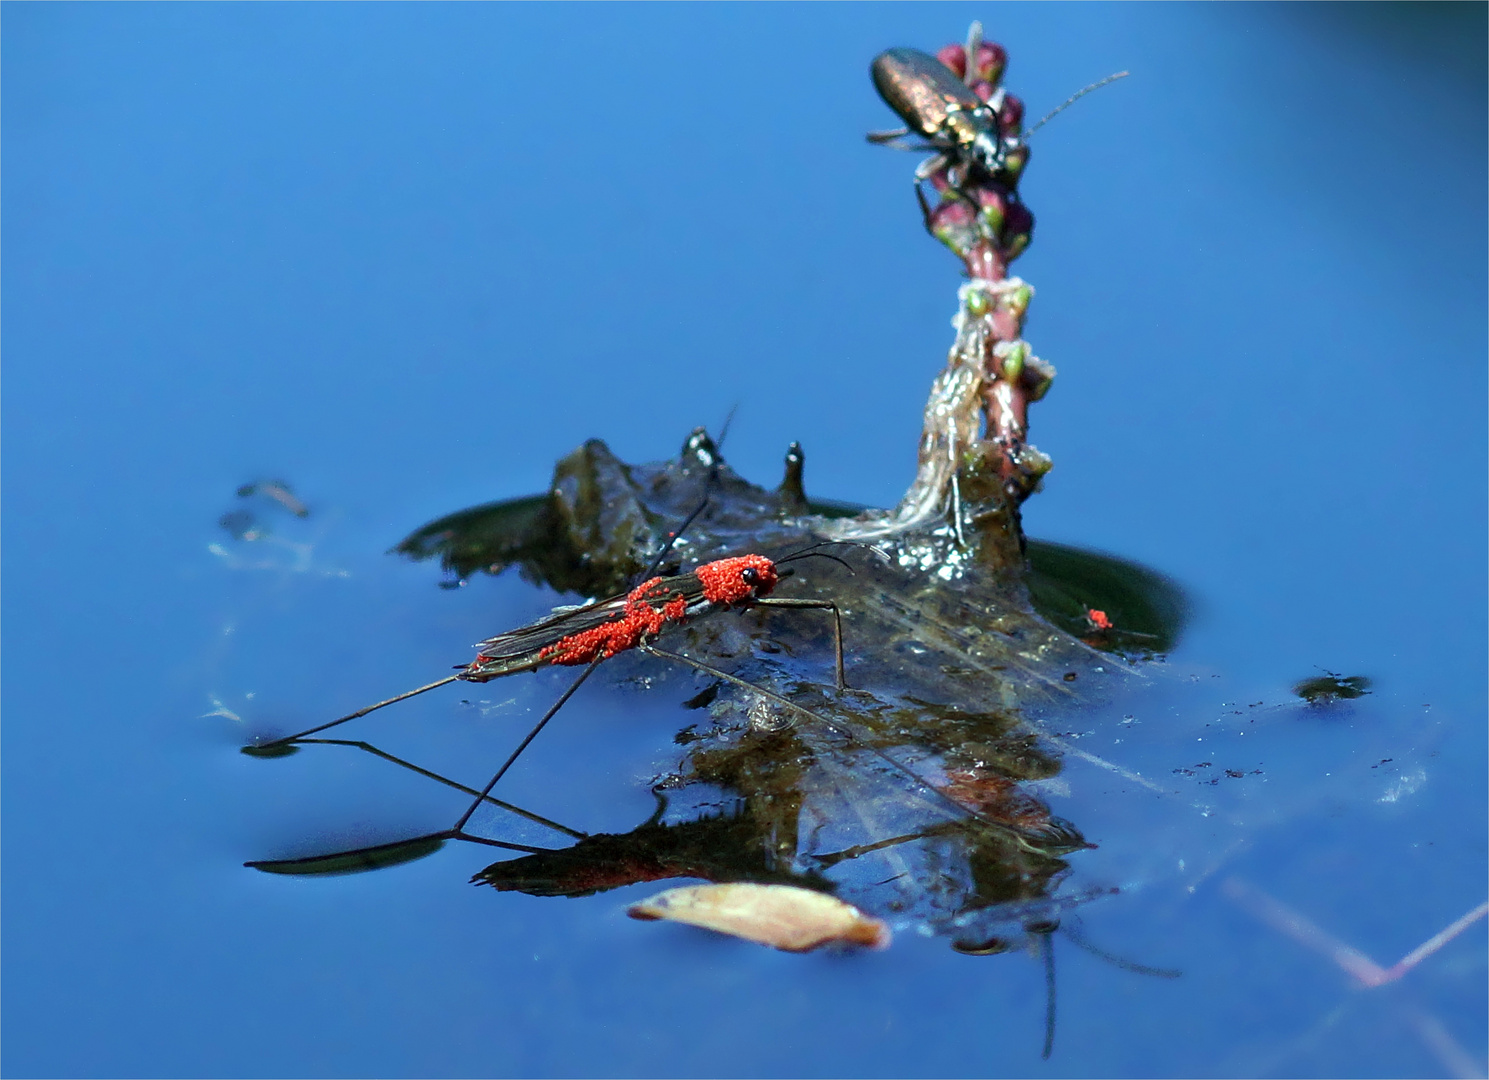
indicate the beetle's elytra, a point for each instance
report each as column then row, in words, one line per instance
column 938, row 106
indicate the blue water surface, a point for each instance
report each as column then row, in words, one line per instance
column 405, row 257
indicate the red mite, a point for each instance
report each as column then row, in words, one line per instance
column 608, row 627
column 1098, row 619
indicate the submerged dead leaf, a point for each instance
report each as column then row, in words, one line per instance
column 784, row 916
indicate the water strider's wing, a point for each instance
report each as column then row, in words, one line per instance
column 521, row 649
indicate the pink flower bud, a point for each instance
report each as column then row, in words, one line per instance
column 1011, row 115
column 954, row 57
column 1015, row 160
column 956, row 212
column 1017, row 219
column 990, row 61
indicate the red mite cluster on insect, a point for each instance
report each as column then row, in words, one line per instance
column 619, row 624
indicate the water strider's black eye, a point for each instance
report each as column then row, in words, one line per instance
column 750, row 576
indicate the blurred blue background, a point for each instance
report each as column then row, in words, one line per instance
column 405, row 257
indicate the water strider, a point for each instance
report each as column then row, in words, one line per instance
column 589, row 633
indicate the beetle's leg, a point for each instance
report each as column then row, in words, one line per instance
column 955, row 176
column 930, row 165
column 923, row 173
column 837, row 619
column 880, row 138
column 925, row 207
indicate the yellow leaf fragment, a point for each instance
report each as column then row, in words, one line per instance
column 780, row 915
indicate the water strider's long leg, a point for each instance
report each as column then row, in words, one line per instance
column 650, row 570
column 368, row 855
column 1133, row 966
column 531, row 735
column 286, row 739
column 837, row 618
column 587, row 672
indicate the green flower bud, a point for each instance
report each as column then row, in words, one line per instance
column 992, row 217
column 1011, row 359
column 1018, row 300
column 1043, row 377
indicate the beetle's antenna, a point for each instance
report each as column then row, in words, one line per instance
column 1074, row 98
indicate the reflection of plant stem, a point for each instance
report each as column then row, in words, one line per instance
column 1365, row 971
column 1047, row 947
column 538, row 819
column 1349, row 959
column 832, row 858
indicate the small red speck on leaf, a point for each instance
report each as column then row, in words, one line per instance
column 1098, row 619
